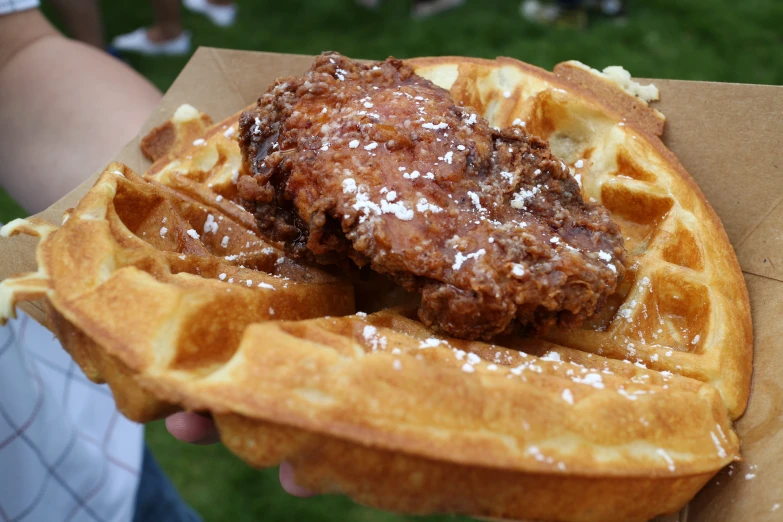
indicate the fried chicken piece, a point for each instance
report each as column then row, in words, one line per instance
column 378, row 165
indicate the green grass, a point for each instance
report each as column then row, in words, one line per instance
column 9, row 209
column 719, row 40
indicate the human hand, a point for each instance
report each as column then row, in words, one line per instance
column 195, row 428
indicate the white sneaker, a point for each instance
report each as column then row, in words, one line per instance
column 434, row 7
column 138, row 42
column 535, row 11
column 221, row 15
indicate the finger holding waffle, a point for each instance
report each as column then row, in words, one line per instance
column 180, row 300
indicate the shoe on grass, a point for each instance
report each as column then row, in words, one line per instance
column 537, row 12
column 220, row 15
column 552, row 14
column 139, row 41
column 433, row 7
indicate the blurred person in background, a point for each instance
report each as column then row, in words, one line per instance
column 82, row 19
column 66, row 453
column 83, row 22
column 420, row 8
column 569, row 13
column 166, row 35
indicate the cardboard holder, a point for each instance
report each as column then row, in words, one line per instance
column 727, row 136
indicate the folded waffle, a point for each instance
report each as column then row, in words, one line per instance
column 623, row 419
column 141, row 276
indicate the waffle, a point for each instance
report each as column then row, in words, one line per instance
column 197, row 159
column 140, row 276
column 624, row 419
column 683, row 306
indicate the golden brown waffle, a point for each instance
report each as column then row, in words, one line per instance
column 624, row 419
column 683, row 307
column 442, row 424
column 198, row 159
column 141, row 277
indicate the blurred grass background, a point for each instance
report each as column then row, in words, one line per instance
column 720, row 40
column 717, row 40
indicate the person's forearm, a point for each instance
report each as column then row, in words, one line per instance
column 19, row 30
column 65, row 109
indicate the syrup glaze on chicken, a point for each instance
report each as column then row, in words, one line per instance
column 374, row 164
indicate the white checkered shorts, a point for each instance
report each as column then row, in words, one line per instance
column 66, row 454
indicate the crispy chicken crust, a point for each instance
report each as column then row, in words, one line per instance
column 375, row 164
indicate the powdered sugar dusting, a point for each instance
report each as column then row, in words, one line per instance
column 460, row 258
column 431, row 342
column 667, row 458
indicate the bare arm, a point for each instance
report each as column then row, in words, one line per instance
column 65, row 109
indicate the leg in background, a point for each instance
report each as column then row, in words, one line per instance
column 83, row 20
column 157, row 499
column 222, row 13
column 168, row 23
column 165, row 36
